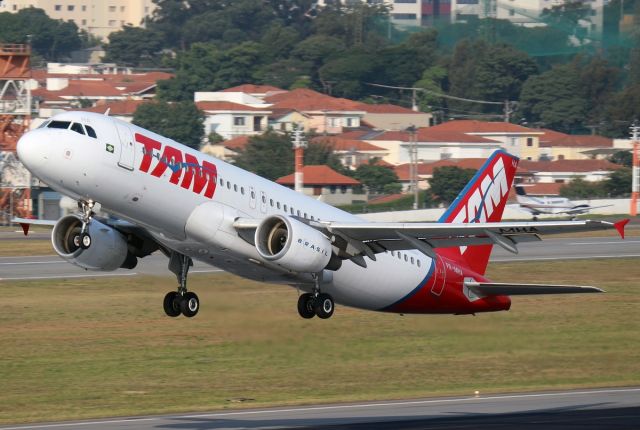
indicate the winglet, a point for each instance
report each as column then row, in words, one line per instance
column 620, row 226
column 25, row 227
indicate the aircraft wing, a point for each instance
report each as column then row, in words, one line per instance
column 370, row 238
column 584, row 208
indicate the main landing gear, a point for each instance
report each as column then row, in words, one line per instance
column 316, row 303
column 182, row 301
column 83, row 239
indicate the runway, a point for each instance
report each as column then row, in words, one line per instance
column 584, row 409
column 53, row 267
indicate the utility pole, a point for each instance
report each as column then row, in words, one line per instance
column 635, row 185
column 413, row 164
column 298, row 147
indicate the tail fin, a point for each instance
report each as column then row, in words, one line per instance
column 482, row 200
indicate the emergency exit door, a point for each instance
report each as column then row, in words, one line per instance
column 127, row 148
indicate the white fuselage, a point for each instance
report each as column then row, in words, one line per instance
column 148, row 188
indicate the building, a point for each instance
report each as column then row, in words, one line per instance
column 351, row 152
column 327, row 185
column 97, row 17
column 565, row 171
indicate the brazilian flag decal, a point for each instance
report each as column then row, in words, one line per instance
column 110, row 148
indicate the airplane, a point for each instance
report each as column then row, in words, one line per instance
column 164, row 196
column 549, row 205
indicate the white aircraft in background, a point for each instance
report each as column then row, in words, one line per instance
column 537, row 205
column 168, row 197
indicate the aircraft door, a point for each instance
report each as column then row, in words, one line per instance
column 127, row 148
column 440, row 277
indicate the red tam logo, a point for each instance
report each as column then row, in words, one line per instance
column 186, row 170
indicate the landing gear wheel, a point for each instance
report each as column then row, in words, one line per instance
column 324, row 306
column 85, row 241
column 190, row 304
column 306, row 307
column 172, row 304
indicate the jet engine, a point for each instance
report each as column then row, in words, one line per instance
column 294, row 245
column 108, row 250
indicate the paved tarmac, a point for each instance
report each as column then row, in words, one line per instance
column 53, row 267
column 584, row 409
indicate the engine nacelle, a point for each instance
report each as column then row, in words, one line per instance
column 294, row 245
column 108, row 250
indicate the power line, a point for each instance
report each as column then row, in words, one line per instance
column 445, row 96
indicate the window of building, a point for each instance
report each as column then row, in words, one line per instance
column 112, row 23
column 334, row 122
column 405, row 1
column 57, row 7
column 332, row 189
column 343, row 189
column 121, row 8
column 317, row 190
column 70, row 7
column 512, row 12
column 112, row 8
column 238, row 120
column 84, row 22
column 529, row 141
column 84, row 8
column 15, row 7
column 403, row 15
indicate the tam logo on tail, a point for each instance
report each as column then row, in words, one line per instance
column 482, row 200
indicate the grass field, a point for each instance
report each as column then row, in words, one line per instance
column 103, row 347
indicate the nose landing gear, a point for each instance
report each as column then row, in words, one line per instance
column 182, row 301
column 83, row 239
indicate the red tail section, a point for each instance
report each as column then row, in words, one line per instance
column 482, row 200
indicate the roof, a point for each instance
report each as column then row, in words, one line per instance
column 569, row 165
column 319, row 175
column 237, row 143
column 227, row 106
column 305, row 100
column 427, row 169
column 339, row 144
column 386, row 199
column 121, row 107
column 428, row 134
column 475, row 126
column 577, row 141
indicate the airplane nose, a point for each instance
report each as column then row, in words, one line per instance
column 32, row 150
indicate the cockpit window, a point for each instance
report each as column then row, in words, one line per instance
column 44, row 124
column 59, row 124
column 91, row 132
column 77, row 128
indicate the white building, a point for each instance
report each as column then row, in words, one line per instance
column 97, row 17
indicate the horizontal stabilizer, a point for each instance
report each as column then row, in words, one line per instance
column 509, row 289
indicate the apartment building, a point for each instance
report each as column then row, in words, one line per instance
column 97, row 17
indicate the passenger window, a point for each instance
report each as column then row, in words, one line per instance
column 77, row 128
column 253, row 194
column 285, row 208
column 229, row 185
column 221, row 182
column 406, row 258
column 311, row 217
column 271, row 202
column 298, row 212
column 63, row 125
column 242, row 190
column 305, row 215
column 264, row 199
column 292, row 210
column 278, row 205
column 418, row 263
column 91, row 132
column 411, row 260
column 235, row 188
column 399, row 256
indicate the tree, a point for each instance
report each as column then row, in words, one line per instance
column 624, row 158
column 182, row 122
column 268, row 155
column 376, row 178
column 447, row 182
column 581, row 189
column 619, row 183
column 50, row 38
column 134, row 46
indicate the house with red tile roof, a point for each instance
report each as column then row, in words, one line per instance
column 121, row 109
column 351, row 152
column 226, row 150
column 516, row 139
column 431, row 145
column 564, row 171
column 230, row 119
column 322, row 113
column 324, row 183
column 560, row 146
